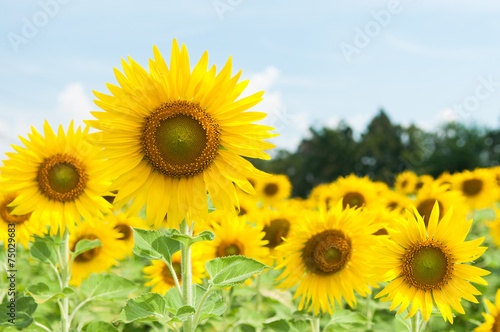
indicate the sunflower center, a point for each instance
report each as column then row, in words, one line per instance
column 243, row 211
column 327, row 252
column 472, row 187
column 392, row 206
column 229, row 249
column 88, row 255
column 425, row 209
column 167, row 276
column 271, row 189
column 496, row 324
column 5, row 212
column 353, row 199
column 381, row 231
column 180, row 139
column 276, row 229
column 62, row 177
column 124, row 230
column 404, row 183
column 427, row 265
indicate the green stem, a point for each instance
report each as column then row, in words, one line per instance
column 315, row 324
column 65, row 276
column 415, row 322
column 368, row 311
column 198, row 310
column 258, row 297
column 174, row 276
column 187, row 297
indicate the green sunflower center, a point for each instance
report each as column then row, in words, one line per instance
column 472, row 187
column 427, row 265
column 5, row 212
column 327, row 252
column 353, row 199
column 180, row 139
column 271, row 189
column 88, row 255
column 167, row 276
column 276, row 229
column 124, row 230
column 230, row 249
column 62, row 177
column 425, row 208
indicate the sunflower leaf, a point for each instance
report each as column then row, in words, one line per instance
column 183, row 313
column 232, row 270
column 150, row 306
column 152, row 244
column 101, row 327
column 21, row 311
column 189, row 240
column 44, row 251
column 279, row 325
column 106, row 287
column 211, row 207
column 41, row 292
column 345, row 319
column 86, row 245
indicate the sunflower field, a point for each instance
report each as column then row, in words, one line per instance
column 151, row 218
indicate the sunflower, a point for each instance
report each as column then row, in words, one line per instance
column 478, row 187
column 356, row 192
column 123, row 224
column 426, row 264
column 322, row 196
column 434, row 192
column 394, row 201
column 422, row 181
column 58, row 179
column 173, row 134
column 98, row 259
column 161, row 277
column 274, row 189
column 495, row 229
column 233, row 236
column 328, row 256
column 406, row 182
column 22, row 224
column 492, row 323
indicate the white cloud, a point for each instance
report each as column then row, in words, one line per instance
column 73, row 104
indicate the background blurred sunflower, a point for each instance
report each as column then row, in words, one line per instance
column 274, row 189
column 406, row 182
column 478, row 187
column 492, row 318
column 123, row 224
column 57, row 178
column 425, row 265
column 356, row 192
column 173, row 134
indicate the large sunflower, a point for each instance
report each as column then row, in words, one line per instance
column 426, row 264
column 478, row 187
column 98, row 259
column 173, row 134
column 328, row 256
column 492, row 323
column 57, row 178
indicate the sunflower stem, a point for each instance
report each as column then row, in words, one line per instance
column 65, row 276
column 368, row 311
column 258, row 297
column 315, row 324
column 187, row 297
column 416, row 322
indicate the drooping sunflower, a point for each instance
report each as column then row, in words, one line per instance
column 99, row 259
column 434, row 192
column 161, row 277
column 329, row 256
column 123, row 224
column 492, row 323
column 426, row 264
column 478, row 187
column 58, row 179
column 406, row 182
column 171, row 135
column 22, row 225
column 356, row 192
column 274, row 189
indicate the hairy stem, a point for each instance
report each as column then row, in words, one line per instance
column 187, row 297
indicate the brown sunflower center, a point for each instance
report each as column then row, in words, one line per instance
column 427, row 265
column 124, row 230
column 270, row 189
column 62, row 177
column 327, row 252
column 276, row 229
column 496, row 324
column 180, row 139
column 391, row 206
column 425, row 209
column 167, row 276
column 381, row 231
column 5, row 211
column 404, row 183
column 230, row 249
column 353, row 199
column 472, row 187
column 243, row 211
column 88, row 255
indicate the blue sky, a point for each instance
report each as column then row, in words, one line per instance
column 424, row 62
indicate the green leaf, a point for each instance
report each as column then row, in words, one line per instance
column 41, row 292
column 25, row 306
column 347, row 317
column 211, row 207
column 150, row 306
column 184, row 312
column 106, row 287
column 101, row 327
column 152, row 244
column 86, row 245
column 213, row 305
column 232, row 270
column 280, row 325
column 189, row 240
column 44, row 251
